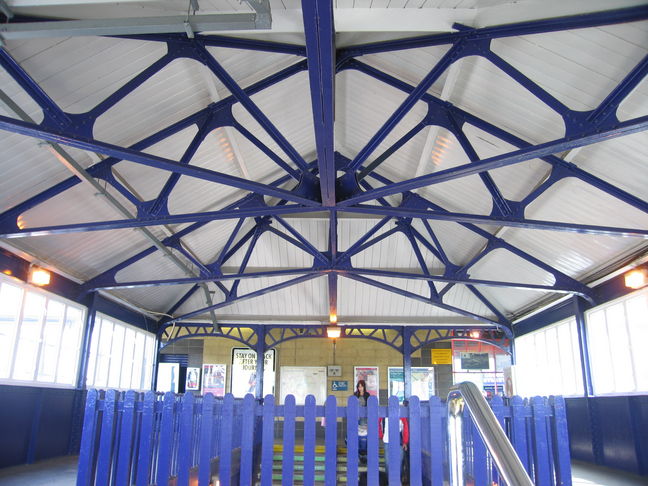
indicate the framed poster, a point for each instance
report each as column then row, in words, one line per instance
column 301, row 381
column 370, row 375
column 193, row 379
column 214, row 379
column 168, row 377
column 244, row 372
column 422, row 382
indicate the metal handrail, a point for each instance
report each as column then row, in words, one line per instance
column 508, row 463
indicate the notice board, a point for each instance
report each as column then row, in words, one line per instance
column 301, row 381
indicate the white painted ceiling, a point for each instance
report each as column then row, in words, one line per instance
column 491, row 268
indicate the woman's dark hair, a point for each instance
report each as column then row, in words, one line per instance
column 364, row 389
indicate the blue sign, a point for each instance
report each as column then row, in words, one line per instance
column 340, row 386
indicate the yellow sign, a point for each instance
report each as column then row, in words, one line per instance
column 442, row 356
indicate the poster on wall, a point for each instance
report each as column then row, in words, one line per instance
column 422, row 382
column 168, row 377
column 244, row 372
column 193, row 379
column 214, row 379
column 370, row 375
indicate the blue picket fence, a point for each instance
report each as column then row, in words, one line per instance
column 147, row 439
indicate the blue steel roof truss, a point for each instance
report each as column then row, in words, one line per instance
column 316, row 186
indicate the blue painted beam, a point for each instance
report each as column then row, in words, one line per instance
column 159, row 220
column 515, row 157
column 495, row 242
column 320, row 49
column 30, row 130
column 102, row 169
column 608, row 17
column 461, row 280
column 490, row 220
column 464, row 116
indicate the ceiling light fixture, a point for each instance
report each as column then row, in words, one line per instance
column 39, row 276
column 333, row 332
column 637, row 278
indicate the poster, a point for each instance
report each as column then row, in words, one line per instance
column 193, row 379
column 422, row 382
column 168, row 377
column 370, row 375
column 244, row 372
column 214, row 379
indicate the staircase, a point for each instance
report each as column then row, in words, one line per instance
column 298, row 469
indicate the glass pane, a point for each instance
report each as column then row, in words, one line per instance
column 553, row 377
column 619, row 347
column 637, row 310
column 29, row 337
column 138, row 362
column 600, row 359
column 148, row 362
column 116, row 356
column 10, row 302
column 51, row 341
column 127, row 361
column 69, row 356
column 103, row 354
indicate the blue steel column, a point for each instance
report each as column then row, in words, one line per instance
column 579, row 314
column 260, row 364
column 407, row 362
column 87, row 339
column 320, row 50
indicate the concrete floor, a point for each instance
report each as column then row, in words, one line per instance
column 62, row 472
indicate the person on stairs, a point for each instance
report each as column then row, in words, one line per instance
column 383, row 433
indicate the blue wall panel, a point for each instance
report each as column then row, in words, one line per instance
column 610, row 431
column 35, row 423
column 580, row 433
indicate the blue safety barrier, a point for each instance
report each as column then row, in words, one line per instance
column 146, row 439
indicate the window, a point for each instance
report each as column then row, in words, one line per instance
column 616, row 333
column 548, row 361
column 40, row 335
column 121, row 356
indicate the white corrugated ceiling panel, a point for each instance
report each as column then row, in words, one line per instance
column 288, row 106
column 362, row 106
column 621, row 161
column 410, row 65
column 84, row 255
column 304, row 299
column 147, row 182
column 485, row 91
column 360, row 300
column 568, row 64
column 170, row 95
column 465, row 194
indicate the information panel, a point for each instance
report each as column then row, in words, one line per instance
column 301, row 381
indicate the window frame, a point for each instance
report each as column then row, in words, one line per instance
column 543, row 333
column 602, row 308
column 48, row 296
column 148, row 355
